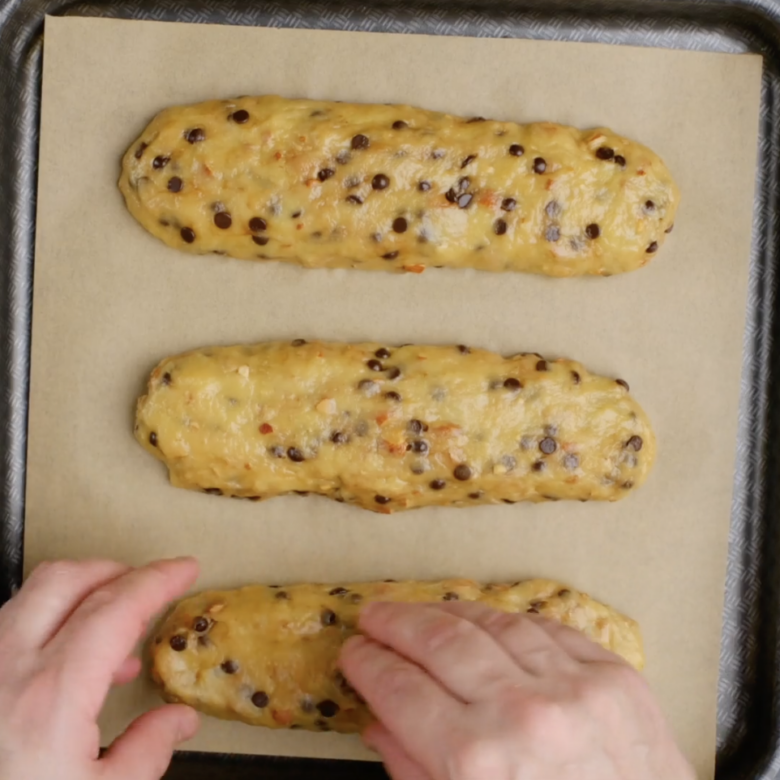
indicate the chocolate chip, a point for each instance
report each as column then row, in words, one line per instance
column 468, row 160
column 240, row 116
column 576, row 377
column 257, row 224
column 463, row 349
column 153, row 439
column 281, row 595
column 451, row 195
column 476, row 495
column 424, row 186
column 195, row 135
column 538, row 604
column 260, row 699
column 653, row 247
column 622, row 383
column 297, row 342
column 399, row 124
column 339, row 591
column 512, row 384
column 548, row 445
column 420, row 446
column 160, row 162
column 213, row 491
column 462, row 472
column 382, row 353
column 393, row 373
column 229, row 667
column 553, row 233
column 277, row 451
column 328, row 617
column 541, row 365
column 508, row 204
column 166, row 378
column 571, row 461
column 508, row 501
column 380, row 182
column 325, row 174
column 187, row 234
column 539, row 465
column 178, row 642
column 294, row 215
column 499, row 227
column 516, row 150
column 450, row 596
column 649, row 205
column 339, row 437
column 400, row 225
column 140, row 150
column 354, row 199
column 540, row 165
column 390, row 255
column 620, row 160
column 328, row 708
column 417, row 426
column 593, row 230
column 475, row 119
column 532, row 611
column 175, row 184
column 563, row 593
column 553, row 209
column 360, row 142
column 368, row 386
column 627, row 485
column 437, row 484
column 261, row 240
column 200, row 624
column 392, row 396
column 635, row 443
column 375, row 365
column 465, row 199
column 223, row 220
column 295, row 455
column 381, row 499
column 605, row 152
column 669, row 229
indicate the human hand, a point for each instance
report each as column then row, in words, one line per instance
column 463, row 692
column 65, row 639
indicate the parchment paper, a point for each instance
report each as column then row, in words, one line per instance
column 110, row 301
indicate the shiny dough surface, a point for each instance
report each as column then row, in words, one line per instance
column 267, row 655
column 392, row 428
column 396, row 188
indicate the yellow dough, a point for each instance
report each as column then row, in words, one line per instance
column 396, row 188
column 268, row 655
column 392, row 428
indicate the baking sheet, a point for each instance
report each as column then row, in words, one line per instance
column 110, row 301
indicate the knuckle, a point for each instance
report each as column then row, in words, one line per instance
column 442, row 630
column 539, row 717
column 477, row 758
column 397, row 681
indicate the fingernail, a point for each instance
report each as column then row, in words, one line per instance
column 188, row 725
column 353, row 644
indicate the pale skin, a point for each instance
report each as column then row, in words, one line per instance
column 461, row 692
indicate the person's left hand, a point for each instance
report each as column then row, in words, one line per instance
column 65, row 639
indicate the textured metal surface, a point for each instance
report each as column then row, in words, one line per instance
column 749, row 689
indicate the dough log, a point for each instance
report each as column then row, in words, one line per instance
column 268, row 655
column 393, row 428
column 396, row 188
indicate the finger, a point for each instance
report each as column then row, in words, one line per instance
column 398, row 763
column 456, row 651
column 49, row 596
column 577, row 644
column 144, row 751
column 525, row 640
column 128, row 671
column 420, row 714
column 104, row 629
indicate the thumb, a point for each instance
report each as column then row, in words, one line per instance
column 144, row 751
column 398, row 763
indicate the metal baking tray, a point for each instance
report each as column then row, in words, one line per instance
column 749, row 688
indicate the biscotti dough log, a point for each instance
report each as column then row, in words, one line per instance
column 268, row 655
column 392, row 428
column 396, row 188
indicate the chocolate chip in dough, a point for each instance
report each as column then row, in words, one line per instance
column 539, row 465
column 390, row 255
column 339, row 437
column 153, row 439
column 669, row 229
column 295, row 455
column 355, row 199
column 620, row 160
column 575, row 377
column 417, row 426
column 463, row 349
column 140, row 150
column 627, row 485
column 166, row 379
column 623, row 383
column 571, row 461
column 541, row 365
column 261, row 240
column 635, row 443
column 450, row 596
column 649, row 206
column 338, row 591
column 260, row 699
column 540, row 165
column 187, row 234
column 160, row 162
column 653, row 247
column 420, row 446
column 380, row 182
column 175, row 184
column 229, row 667
column 360, row 141
column 464, row 200
column 548, row 445
column 178, row 642
column 462, row 472
column 400, row 225
column 464, row 183
column 593, row 230
column 257, row 224
column 282, row 595
column 499, row 227
column 375, row 365
column 328, row 617
column 195, row 135
column 513, row 384
column 223, row 220
column 424, row 186
column 475, row 119
column 213, row 491
column 605, row 153
column 295, row 214
column 393, row 396
column 475, row 496
column 382, row 499
column 382, row 353
column 200, row 624
column 240, row 116
column 277, row 451
column 399, row 124
column 325, row 174
column 437, row 484
column 328, row 708
column 516, row 150
column 508, row 204
column 468, row 160
column 553, row 209
column 393, row 373
column 532, row 611
column 368, row 386
column 552, row 233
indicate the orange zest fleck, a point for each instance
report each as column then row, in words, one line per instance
column 266, row 428
column 381, row 419
column 414, row 269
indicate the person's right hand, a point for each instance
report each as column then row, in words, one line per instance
column 463, row 692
